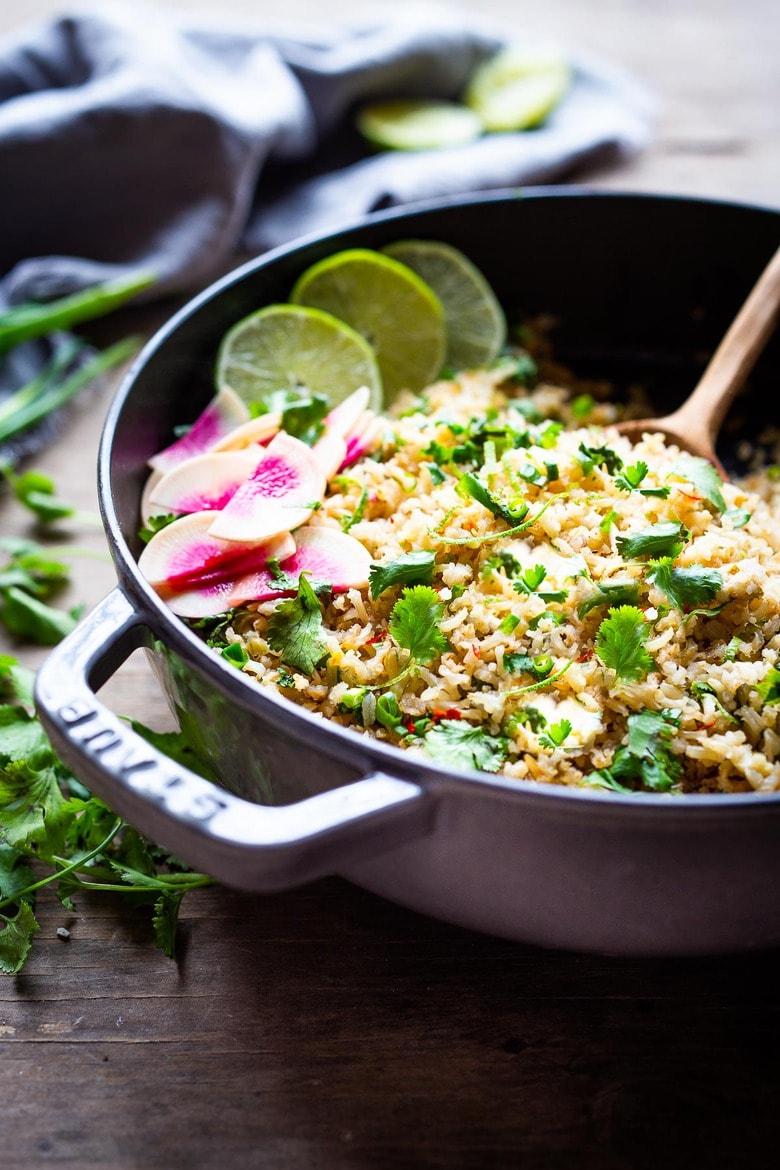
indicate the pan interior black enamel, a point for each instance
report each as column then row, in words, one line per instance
column 641, row 288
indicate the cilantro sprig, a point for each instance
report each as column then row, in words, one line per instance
column 665, row 539
column 647, row 759
column 620, row 643
column 295, row 629
column 461, row 745
column 412, row 568
column 687, row 586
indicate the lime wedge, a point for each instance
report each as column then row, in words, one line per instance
column 408, row 124
column 396, row 312
column 474, row 323
column 286, row 347
column 517, row 88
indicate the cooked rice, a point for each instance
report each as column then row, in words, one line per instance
column 728, row 737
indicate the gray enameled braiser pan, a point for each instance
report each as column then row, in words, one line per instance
column 643, row 287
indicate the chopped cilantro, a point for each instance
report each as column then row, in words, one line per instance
column 632, row 477
column 582, row 406
column 527, row 716
column 657, row 540
column 705, row 479
column 739, row 517
column 646, row 760
column 414, row 623
column 769, row 689
column 557, row 619
column 412, row 568
column 302, row 414
column 527, row 408
column 284, row 678
column 502, row 560
column 530, row 580
column 687, row 587
column 155, row 524
column 701, row 687
column 457, row 743
column 620, row 643
column 609, row 520
column 611, row 595
column 295, row 629
column 555, row 735
column 435, row 472
column 591, row 457
column 350, row 521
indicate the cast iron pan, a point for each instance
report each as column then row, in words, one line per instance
column 642, row 287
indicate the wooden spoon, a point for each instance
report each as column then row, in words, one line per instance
column 694, row 426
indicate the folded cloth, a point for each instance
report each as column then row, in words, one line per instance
column 133, row 138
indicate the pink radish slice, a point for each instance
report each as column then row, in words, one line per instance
column 362, row 441
column 183, row 554
column 147, row 507
column 223, row 414
column 328, row 555
column 204, row 483
column 330, row 452
column 279, row 495
column 257, row 430
column 344, row 417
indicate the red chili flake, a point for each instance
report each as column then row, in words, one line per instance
column 409, row 725
column 380, row 637
column 476, row 650
column 707, row 726
column 585, row 656
column 440, row 713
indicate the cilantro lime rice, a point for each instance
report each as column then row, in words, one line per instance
column 546, row 600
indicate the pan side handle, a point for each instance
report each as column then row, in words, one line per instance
column 252, row 846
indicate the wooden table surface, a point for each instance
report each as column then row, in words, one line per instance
column 327, row 1028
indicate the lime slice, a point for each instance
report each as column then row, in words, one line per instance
column 474, row 322
column 396, row 312
column 518, row 88
column 408, row 124
column 285, row 347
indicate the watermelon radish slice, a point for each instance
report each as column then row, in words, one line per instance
column 204, row 483
column 330, row 452
column 222, row 415
column 363, row 439
column 329, row 556
column 147, row 507
column 183, row 555
column 345, row 416
column 279, row 496
column 257, row 430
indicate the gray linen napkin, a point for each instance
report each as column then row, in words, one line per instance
column 133, row 138
column 137, row 138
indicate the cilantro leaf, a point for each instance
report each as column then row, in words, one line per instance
column 37, row 492
column 705, row 479
column 769, row 689
column 591, row 457
column 632, row 477
column 687, row 587
column 620, row 643
column 295, row 629
column 302, row 414
column 16, row 939
column 30, row 618
column 657, row 540
column 156, row 524
column 610, row 594
column 414, row 623
column 165, row 920
column 556, row 734
column 530, row 580
column 412, row 568
column 646, row 760
column 460, row 744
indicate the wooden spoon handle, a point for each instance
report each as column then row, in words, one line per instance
column 735, row 356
